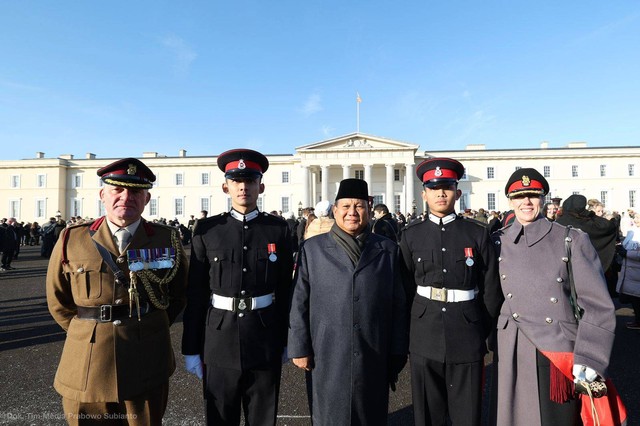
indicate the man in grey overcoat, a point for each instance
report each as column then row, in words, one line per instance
column 541, row 347
column 348, row 317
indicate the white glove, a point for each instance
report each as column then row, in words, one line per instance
column 193, row 364
column 582, row 372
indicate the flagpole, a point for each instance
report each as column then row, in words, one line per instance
column 358, row 100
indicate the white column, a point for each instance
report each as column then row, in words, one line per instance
column 367, row 177
column 305, row 186
column 346, row 170
column 389, row 188
column 325, row 182
column 410, row 175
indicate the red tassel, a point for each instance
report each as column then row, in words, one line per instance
column 560, row 388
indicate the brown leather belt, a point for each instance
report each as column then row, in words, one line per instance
column 109, row 313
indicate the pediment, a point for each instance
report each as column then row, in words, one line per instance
column 356, row 142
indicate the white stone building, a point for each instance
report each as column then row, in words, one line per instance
column 36, row 189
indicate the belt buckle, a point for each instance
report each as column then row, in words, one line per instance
column 439, row 294
column 106, row 309
column 242, row 305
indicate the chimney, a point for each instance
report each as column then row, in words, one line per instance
column 149, row 154
column 544, row 145
column 39, row 154
column 90, row 156
column 67, row 156
column 182, row 153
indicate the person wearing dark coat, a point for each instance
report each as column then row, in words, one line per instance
column 348, row 317
column 452, row 275
column 235, row 322
column 541, row 347
column 384, row 223
column 602, row 232
column 9, row 244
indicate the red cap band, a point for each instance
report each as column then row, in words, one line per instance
column 246, row 165
column 439, row 173
column 518, row 186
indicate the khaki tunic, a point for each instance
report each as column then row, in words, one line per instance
column 110, row 361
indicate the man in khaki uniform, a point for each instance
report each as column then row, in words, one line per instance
column 117, row 357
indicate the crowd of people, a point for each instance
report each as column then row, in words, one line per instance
column 349, row 292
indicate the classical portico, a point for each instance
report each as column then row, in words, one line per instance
column 388, row 167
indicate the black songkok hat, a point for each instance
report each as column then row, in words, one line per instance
column 242, row 163
column 128, row 173
column 438, row 171
column 353, row 188
column 526, row 181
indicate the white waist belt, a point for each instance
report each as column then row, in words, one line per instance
column 446, row 295
column 234, row 304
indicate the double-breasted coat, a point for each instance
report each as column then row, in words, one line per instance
column 537, row 313
column 350, row 319
column 119, row 360
column 434, row 255
column 231, row 258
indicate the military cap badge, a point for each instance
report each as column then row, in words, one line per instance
column 525, row 180
column 132, row 169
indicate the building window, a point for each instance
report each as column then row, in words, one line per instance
column 15, row 182
column 518, row 168
column 360, row 174
column 76, row 207
column 100, row 208
column 377, row 199
column 228, row 203
column 204, row 178
column 100, row 183
column 153, row 207
column 204, row 204
column 76, row 181
column 285, row 178
column 604, row 197
column 396, row 175
column 574, row 171
column 603, row 170
column 632, row 198
column 41, row 181
column 319, row 175
column 632, row 169
column 491, row 173
column 178, row 206
column 260, row 203
column 491, row 201
column 547, row 171
column 396, row 203
column 284, row 204
column 464, row 175
column 14, row 208
column 179, row 179
column 41, row 208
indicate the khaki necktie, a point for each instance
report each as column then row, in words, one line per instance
column 123, row 236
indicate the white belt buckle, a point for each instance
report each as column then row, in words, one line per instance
column 439, row 294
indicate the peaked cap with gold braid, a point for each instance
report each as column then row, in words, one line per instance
column 128, row 173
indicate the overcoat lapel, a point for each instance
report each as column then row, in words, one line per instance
column 336, row 252
column 370, row 253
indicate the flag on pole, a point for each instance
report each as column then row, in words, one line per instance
column 358, row 100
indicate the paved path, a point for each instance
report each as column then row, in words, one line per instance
column 31, row 343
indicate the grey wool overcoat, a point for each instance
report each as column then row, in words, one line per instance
column 350, row 319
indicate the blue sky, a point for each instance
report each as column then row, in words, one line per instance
column 120, row 78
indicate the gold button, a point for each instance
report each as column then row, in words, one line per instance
column 81, row 269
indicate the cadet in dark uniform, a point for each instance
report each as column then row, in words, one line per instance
column 117, row 356
column 236, row 318
column 453, row 274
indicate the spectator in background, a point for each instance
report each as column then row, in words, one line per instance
column 34, row 234
column 9, row 242
column 596, row 206
column 48, row 238
column 629, row 277
column 384, row 223
column 549, row 211
column 290, row 218
column 481, row 216
column 322, row 224
column 302, row 225
column 602, row 232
